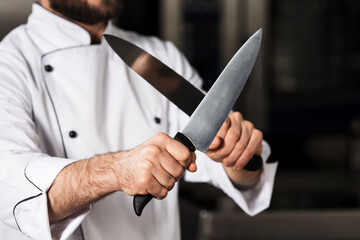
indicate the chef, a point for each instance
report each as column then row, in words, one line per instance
column 81, row 134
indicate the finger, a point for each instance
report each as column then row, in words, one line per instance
column 156, row 189
column 192, row 166
column 231, row 137
column 219, row 138
column 166, row 170
column 165, row 179
column 179, row 152
column 172, row 166
column 216, row 143
column 241, row 144
column 254, row 144
column 148, row 183
column 224, row 128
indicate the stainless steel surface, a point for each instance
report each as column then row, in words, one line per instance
column 160, row 76
column 215, row 107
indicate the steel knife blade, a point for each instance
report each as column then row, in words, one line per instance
column 207, row 113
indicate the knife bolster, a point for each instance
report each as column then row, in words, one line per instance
column 185, row 140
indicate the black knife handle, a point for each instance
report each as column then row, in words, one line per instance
column 185, row 140
column 140, row 201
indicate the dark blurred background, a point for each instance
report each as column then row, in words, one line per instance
column 303, row 93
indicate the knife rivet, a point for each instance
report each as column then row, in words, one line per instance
column 73, row 134
column 49, row 68
column 157, row 120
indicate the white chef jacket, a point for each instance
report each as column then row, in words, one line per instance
column 53, row 82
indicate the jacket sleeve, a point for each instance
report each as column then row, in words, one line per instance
column 251, row 201
column 25, row 172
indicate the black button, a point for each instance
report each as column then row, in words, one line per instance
column 49, row 68
column 73, row 134
column 157, row 120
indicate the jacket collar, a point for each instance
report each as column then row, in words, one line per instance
column 51, row 32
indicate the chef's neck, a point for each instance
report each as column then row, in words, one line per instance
column 96, row 30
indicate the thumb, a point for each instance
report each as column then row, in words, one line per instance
column 215, row 143
column 192, row 166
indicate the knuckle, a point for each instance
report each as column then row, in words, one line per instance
column 238, row 115
column 171, row 184
column 144, row 174
column 221, row 154
column 178, row 171
column 146, row 167
column 233, row 136
column 162, row 193
column 184, row 155
column 143, row 180
column 160, row 135
column 247, row 154
column 228, row 162
column 258, row 133
column 249, row 124
column 151, row 151
column 217, row 156
column 240, row 147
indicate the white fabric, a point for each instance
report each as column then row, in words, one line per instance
column 92, row 92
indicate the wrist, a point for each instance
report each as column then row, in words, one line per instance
column 79, row 184
column 101, row 172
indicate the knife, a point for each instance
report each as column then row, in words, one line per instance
column 207, row 113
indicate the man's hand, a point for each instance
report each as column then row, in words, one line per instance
column 235, row 144
column 154, row 166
